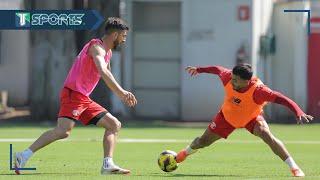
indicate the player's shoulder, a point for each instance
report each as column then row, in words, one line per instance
column 96, row 49
column 263, row 88
column 225, row 72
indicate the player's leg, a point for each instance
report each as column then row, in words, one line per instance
column 99, row 116
column 61, row 131
column 206, row 139
column 217, row 129
column 112, row 126
column 262, row 130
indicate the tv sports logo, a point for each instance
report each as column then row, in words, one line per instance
column 53, row 19
column 22, row 19
column 50, row 19
column 57, row 19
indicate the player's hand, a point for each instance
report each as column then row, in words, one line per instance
column 192, row 70
column 128, row 98
column 304, row 117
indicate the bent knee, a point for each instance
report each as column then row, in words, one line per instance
column 115, row 125
column 118, row 126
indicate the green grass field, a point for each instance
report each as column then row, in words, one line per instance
column 242, row 156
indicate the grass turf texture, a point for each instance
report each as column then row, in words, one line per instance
column 242, row 156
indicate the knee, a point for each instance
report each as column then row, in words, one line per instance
column 115, row 125
column 118, row 126
column 62, row 133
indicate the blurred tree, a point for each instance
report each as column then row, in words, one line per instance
column 53, row 53
column 51, row 57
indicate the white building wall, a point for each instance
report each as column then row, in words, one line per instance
column 289, row 64
column 261, row 26
column 211, row 35
column 262, row 16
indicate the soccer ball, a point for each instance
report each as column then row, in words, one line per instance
column 167, row 161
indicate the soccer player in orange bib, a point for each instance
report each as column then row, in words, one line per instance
column 245, row 97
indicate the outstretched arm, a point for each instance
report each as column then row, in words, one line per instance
column 97, row 52
column 264, row 94
column 212, row 69
column 223, row 73
column 301, row 116
column 209, row 69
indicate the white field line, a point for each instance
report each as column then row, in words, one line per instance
column 128, row 140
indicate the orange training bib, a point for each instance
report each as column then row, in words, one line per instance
column 239, row 108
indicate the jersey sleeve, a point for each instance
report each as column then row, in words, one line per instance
column 223, row 73
column 264, row 94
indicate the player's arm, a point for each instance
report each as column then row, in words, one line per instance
column 109, row 66
column 301, row 116
column 97, row 52
column 223, row 73
column 209, row 69
column 264, row 94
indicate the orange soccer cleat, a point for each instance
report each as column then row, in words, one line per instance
column 181, row 156
column 297, row 172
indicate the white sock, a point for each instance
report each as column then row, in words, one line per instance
column 189, row 150
column 107, row 162
column 27, row 153
column 291, row 163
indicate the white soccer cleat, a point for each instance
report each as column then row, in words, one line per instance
column 19, row 162
column 297, row 172
column 114, row 170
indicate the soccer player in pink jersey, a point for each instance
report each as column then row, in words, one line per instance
column 92, row 63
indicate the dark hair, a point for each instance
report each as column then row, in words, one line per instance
column 244, row 71
column 115, row 24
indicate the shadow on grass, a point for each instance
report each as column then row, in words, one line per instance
column 38, row 173
column 168, row 175
column 142, row 123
